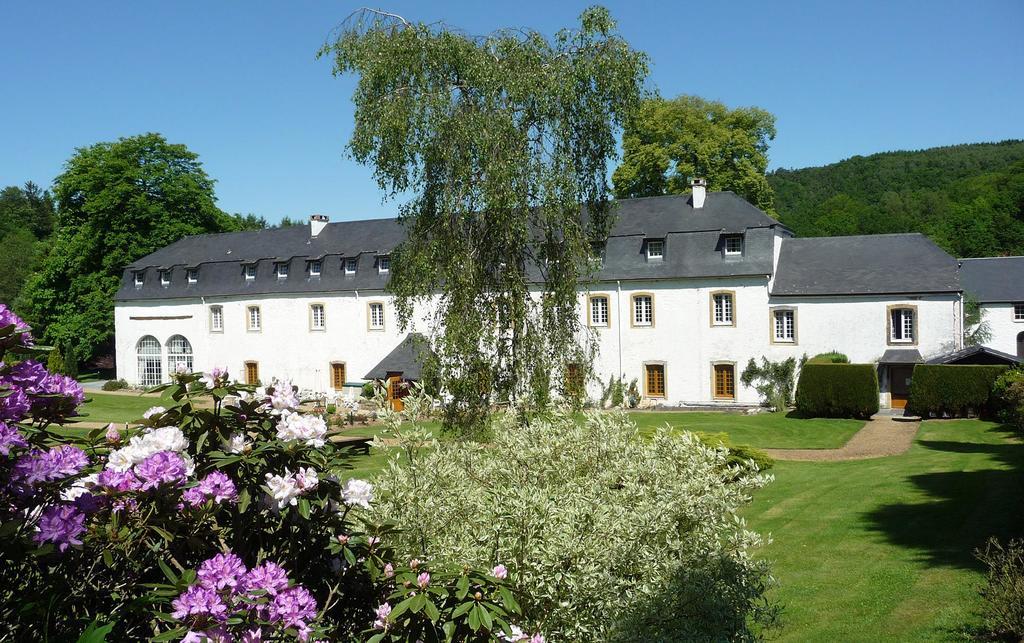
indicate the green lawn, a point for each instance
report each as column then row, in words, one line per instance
column 882, row 549
column 108, row 407
column 764, row 430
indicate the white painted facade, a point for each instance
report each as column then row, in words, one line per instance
column 1006, row 324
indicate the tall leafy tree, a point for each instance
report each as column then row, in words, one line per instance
column 670, row 140
column 497, row 141
column 116, row 203
column 26, row 221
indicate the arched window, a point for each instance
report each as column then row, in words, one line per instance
column 150, row 373
column 179, row 351
column 1020, row 344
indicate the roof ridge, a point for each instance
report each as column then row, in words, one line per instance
column 987, row 258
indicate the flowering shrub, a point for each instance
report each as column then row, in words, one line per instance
column 604, row 535
column 183, row 526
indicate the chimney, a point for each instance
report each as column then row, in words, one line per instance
column 700, row 191
column 317, row 223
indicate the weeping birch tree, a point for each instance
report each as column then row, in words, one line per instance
column 498, row 147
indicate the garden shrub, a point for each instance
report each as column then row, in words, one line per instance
column 229, row 523
column 595, row 522
column 953, row 389
column 741, row 455
column 1008, row 397
column 837, row 390
column 773, row 381
column 1003, row 593
column 832, row 357
column 115, row 385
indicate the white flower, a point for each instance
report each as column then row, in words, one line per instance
column 294, row 427
column 516, row 635
column 237, row 443
column 181, row 368
column 284, row 397
column 121, row 459
column 166, row 438
column 358, row 492
column 212, row 377
column 140, row 447
column 284, row 489
column 153, row 410
column 79, row 488
column 306, row 479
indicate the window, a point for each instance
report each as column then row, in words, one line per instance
column 253, row 318
column 314, row 268
column 250, row 271
column 165, row 277
column 902, row 325
column 1018, row 312
column 734, row 245
column 723, row 309
column 337, row 375
column 179, row 351
column 252, row 373
column 217, row 319
column 282, row 270
column 376, row 315
column 140, row 277
column 384, row 264
column 655, row 249
column 725, row 381
column 350, row 265
column 643, row 310
column 150, row 372
column 599, row 311
column 192, row 275
column 654, row 380
column 784, row 326
column 317, row 317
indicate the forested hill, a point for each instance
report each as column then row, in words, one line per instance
column 968, row 198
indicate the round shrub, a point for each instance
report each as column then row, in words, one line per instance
column 115, row 385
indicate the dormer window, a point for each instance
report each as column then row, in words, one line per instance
column 165, row 277
column 384, row 264
column 192, row 275
column 350, row 265
column 250, row 271
column 314, row 268
column 733, row 245
column 140, row 277
column 282, row 270
column 655, row 249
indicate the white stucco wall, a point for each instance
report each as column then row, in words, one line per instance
column 1003, row 327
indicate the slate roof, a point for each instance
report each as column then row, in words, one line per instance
column 693, row 248
column 901, row 356
column 976, row 355
column 404, row 358
column 864, row 265
column 993, row 279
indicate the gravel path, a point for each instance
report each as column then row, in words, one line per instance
column 880, row 437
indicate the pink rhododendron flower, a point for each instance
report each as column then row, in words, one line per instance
column 499, row 572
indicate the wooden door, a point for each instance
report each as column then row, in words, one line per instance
column 899, row 385
column 252, row 373
column 396, row 391
column 337, row 376
column 725, row 382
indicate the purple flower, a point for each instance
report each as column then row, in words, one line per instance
column 215, row 635
column 67, row 396
column 382, row 613
column 68, row 460
column 293, row 607
column 15, row 406
column 423, row 580
column 500, row 572
column 219, row 487
column 13, row 337
column 44, row 466
column 199, row 601
column 160, row 468
column 28, row 375
column 223, row 570
column 118, row 480
column 269, row 577
column 61, row 525
column 9, row 438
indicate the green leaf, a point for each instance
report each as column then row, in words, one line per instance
column 243, row 500
column 303, row 508
column 108, row 559
column 463, row 608
column 474, row 617
column 95, row 633
column 166, row 535
column 168, row 572
column 485, row 617
column 431, row 611
column 169, row 635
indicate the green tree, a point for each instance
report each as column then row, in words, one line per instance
column 668, row 141
column 116, row 203
column 498, row 140
column 18, row 252
column 26, row 208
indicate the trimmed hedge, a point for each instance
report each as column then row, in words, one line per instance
column 837, row 390
column 953, row 389
column 833, row 357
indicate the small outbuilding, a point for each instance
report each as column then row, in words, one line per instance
column 977, row 355
column 399, row 368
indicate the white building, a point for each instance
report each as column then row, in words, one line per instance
column 690, row 289
column 997, row 284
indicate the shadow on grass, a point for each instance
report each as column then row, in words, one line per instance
column 963, row 509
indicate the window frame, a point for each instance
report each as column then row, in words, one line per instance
column 312, row 317
column 725, row 245
column 344, row 375
column 192, row 275
column 664, row 380
column 165, row 278
column 772, row 311
column 660, row 243
column 369, row 316
column 714, row 380
column 248, row 319
column 1018, row 312
column 214, row 328
column 632, row 310
column 249, row 268
column 314, row 267
column 139, row 278
column 889, row 337
column 381, row 268
column 355, row 265
column 732, row 309
column 607, row 311
column 281, row 270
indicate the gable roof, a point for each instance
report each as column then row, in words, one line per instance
column 864, row 265
column 993, row 279
column 976, row 355
column 405, row 359
column 692, row 249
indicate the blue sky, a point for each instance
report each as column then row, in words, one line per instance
column 238, row 82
